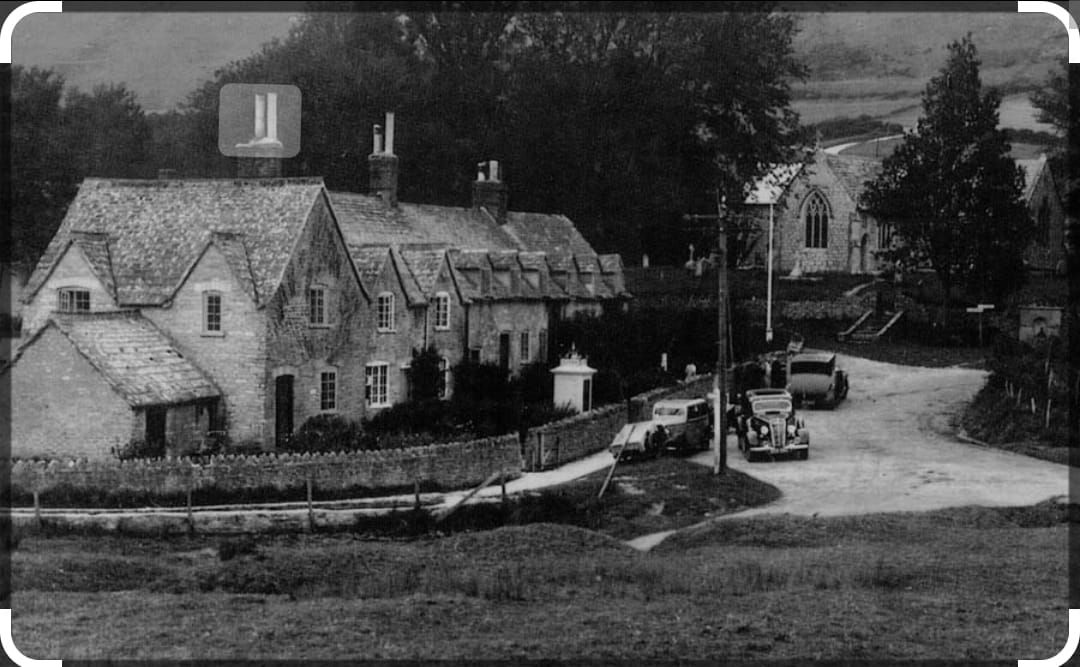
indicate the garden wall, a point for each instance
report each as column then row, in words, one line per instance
column 572, row 438
column 449, row 466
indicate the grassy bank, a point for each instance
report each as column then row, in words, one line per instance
column 960, row 584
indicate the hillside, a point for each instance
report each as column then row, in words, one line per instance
column 875, row 63
column 160, row 56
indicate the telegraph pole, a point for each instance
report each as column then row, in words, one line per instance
column 720, row 376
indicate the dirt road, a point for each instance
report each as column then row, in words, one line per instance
column 887, row 449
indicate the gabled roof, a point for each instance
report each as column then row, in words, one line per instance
column 853, row 172
column 232, row 246
column 371, row 261
column 425, row 266
column 95, row 247
column 1033, row 170
column 135, row 357
column 770, row 188
column 157, row 228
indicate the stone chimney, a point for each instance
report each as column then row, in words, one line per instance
column 258, row 167
column 489, row 191
column 383, row 164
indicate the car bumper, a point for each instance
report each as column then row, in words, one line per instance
column 769, row 449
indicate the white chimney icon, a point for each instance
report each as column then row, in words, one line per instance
column 265, row 123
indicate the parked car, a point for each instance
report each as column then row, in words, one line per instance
column 768, row 425
column 813, row 377
column 688, row 422
column 639, row 439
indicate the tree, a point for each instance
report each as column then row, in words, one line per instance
column 105, row 133
column 622, row 120
column 951, row 190
column 43, row 180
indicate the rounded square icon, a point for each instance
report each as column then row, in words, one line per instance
column 259, row 120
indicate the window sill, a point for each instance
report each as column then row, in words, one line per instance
column 378, row 406
column 213, row 334
column 442, row 328
column 386, row 331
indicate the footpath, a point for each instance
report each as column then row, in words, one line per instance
column 291, row 516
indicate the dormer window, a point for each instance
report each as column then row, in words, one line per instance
column 74, row 300
column 385, row 314
column 589, row 278
column 317, row 306
column 212, row 314
column 442, row 311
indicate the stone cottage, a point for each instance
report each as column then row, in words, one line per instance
column 250, row 279
column 294, row 301
column 87, row 383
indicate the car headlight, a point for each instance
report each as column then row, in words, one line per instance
column 791, row 430
column 764, row 431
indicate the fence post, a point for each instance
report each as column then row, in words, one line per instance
column 310, row 509
column 1048, row 402
column 190, row 515
column 502, row 481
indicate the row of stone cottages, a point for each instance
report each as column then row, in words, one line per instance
column 166, row 309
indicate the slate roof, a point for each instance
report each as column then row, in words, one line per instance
column 156, row 229
column 546, row 233
column 468, row 234
column 135, row 357
column 425, row 265
column 769, row 188
column 367, row 219
column 371, row 260
column 853, row 172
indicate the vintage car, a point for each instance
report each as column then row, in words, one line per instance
column 814, row 378
column 767, row 425
column 688, row 422
column 639, row 439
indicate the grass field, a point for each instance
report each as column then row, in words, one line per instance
column 960, row 584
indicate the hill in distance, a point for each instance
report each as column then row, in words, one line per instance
column 875, row 63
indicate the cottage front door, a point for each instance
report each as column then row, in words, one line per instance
column 283, row 409
column 504, row 350
column 155, row 430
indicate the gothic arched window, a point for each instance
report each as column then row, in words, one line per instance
column 817, row 222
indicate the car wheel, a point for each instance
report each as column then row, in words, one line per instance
column 804, row 454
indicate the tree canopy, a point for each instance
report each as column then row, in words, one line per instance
column 951, row 191
column 621, row 120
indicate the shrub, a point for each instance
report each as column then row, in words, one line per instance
column 326, row 433
column 426, row 379
column 138, row 449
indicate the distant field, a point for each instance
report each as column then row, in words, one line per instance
column 880, row 149
column 1016, row 111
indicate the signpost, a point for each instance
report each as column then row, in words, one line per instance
column 980, row 309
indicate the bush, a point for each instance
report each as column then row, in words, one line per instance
column 138, row 449
column 326, row 433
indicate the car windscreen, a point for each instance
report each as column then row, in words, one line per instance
column 811, row 368
column 773, row 405
column 661, row 411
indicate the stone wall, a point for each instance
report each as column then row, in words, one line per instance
column 556, row 443
column 845, row 308
column 60, row 405
column 451, row 465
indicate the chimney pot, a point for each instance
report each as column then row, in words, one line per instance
column 376, row 140
column 489, row 192
column 390, row 132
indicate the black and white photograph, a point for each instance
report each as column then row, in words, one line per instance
column 622, row 332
